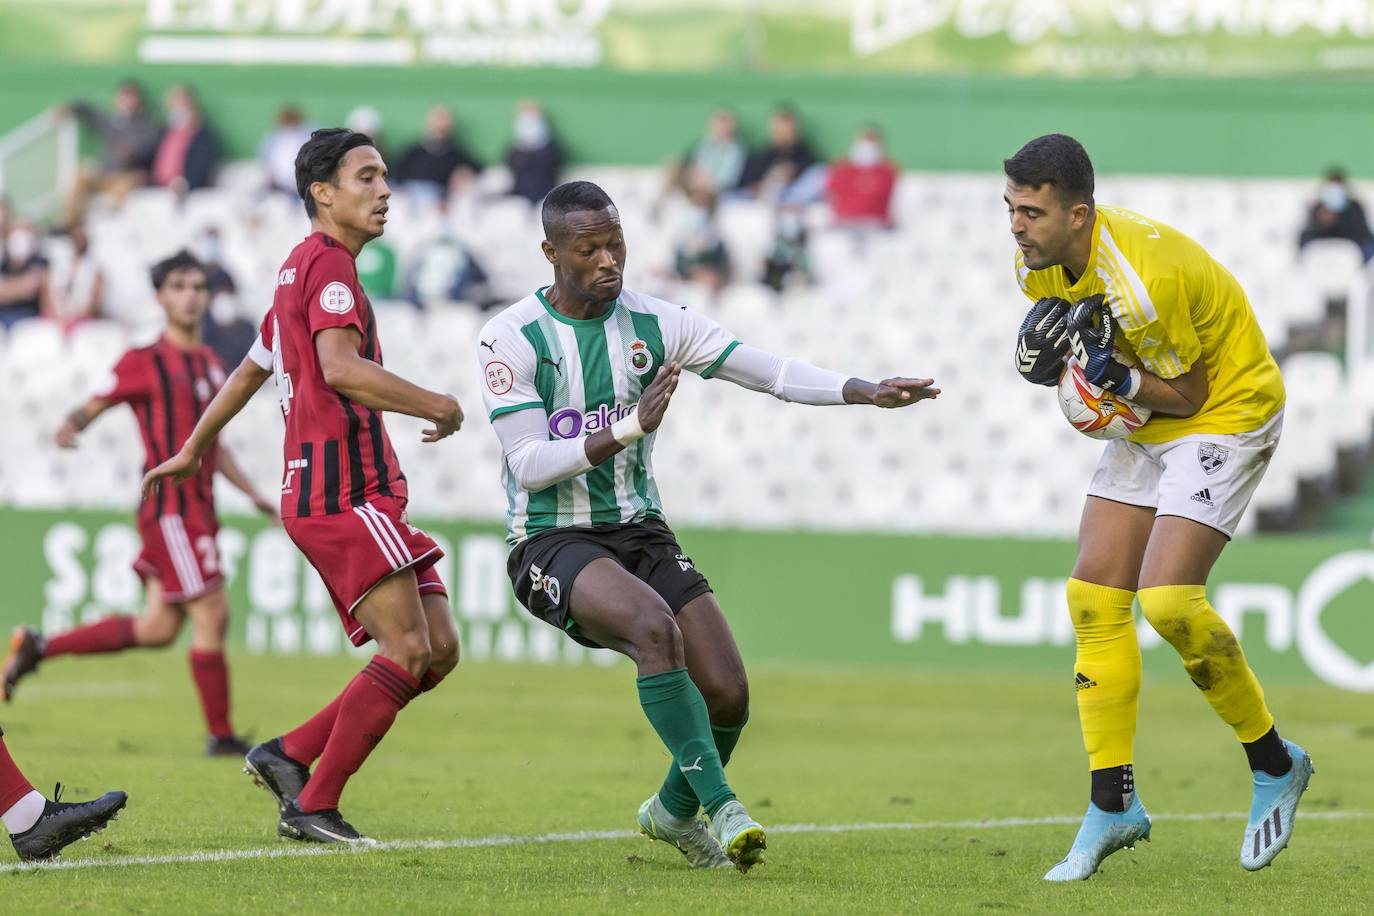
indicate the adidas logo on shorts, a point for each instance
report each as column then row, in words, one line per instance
column 1203, row 496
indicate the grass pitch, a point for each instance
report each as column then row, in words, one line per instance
column 940, row 790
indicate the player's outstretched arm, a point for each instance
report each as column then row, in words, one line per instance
column 367, row 383
column 233, row 472
column 78, row 420
column 538, row 462
column 243, row 383
column 890, row 392
column 793, row 380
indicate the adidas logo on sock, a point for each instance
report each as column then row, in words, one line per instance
column 1203, row 496
column 1082, row 682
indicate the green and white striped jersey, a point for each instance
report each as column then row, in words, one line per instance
column 585, row 375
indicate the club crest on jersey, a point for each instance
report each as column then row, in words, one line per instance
column 336, row 298
column 1211, row 457
column 204, row 391
column 639, row 358
column 499, row 377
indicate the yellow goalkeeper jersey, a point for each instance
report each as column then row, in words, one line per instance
column 1174, row 304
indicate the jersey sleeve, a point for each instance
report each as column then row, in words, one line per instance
column 1157, row 321
column 329, row 294
column 261, row 350
column 128, row 381
column 698, row 343
column 507, row 375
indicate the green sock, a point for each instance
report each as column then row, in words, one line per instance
column 677, row 712
column 677, row 795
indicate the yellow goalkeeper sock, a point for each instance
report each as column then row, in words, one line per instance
column 1106, row 671
column 1211, row 655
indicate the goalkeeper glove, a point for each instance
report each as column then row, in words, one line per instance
column 1043, row 342
column 1092, row 337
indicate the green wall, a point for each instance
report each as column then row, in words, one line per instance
column 1222, row 127
column 1301, row 605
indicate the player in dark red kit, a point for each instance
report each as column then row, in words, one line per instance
column 167, row 385
column 343, row 494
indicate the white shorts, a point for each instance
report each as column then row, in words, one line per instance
column 1207, row 478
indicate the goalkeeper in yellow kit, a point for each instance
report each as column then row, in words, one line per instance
column 1151, row 316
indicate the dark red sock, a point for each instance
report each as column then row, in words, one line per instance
column 211, row 675
column 306, row 742
column 430, row 680
column 112, row 634
column 367, row 709
column 13, row 785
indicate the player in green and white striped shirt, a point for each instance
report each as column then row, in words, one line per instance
column 577, row 378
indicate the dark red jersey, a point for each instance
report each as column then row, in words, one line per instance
column 337, row 453
column 168, row 388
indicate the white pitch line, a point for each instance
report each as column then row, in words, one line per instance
column 485, row 842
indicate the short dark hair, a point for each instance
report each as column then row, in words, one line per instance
column 319, row 159
column 1336, row 173
column 182, row 260
column 571, row 197
column 1054, row 159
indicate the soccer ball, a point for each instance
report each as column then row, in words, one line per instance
column 1094, row 412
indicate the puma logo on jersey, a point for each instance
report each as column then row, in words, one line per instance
column 490, row 346
column 557, row 366
column 695, row 767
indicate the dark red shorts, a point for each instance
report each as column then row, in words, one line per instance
column 355, row 549
column 181, row 554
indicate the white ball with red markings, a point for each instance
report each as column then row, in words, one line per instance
column 1096, row 413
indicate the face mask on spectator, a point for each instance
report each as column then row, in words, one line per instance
column 211, row 250
column 1334, row 198
column 21, row 245
column 790, row 226
column 180, row 116
column 531, row 130
column 865, row 153
column 224, row 309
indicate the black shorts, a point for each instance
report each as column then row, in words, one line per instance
column 543, row 568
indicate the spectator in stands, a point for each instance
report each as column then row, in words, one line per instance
column 438, row 164
column 23, row 272
column 859, row 186
column 788, row 260
column 786, row 171
column 717, row 159
column 278, row 149
column 75, row 286
column 377, row 269
column 535, row 157
column 1338, row 215
column 699, row 254
column 225, row 328
column 449, row 272
column 188, row 153
column 130, row 137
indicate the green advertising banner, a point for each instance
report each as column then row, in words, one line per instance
column 1017, row 37
column 1303, row 607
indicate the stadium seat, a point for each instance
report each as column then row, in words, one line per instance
column 1330, row 266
